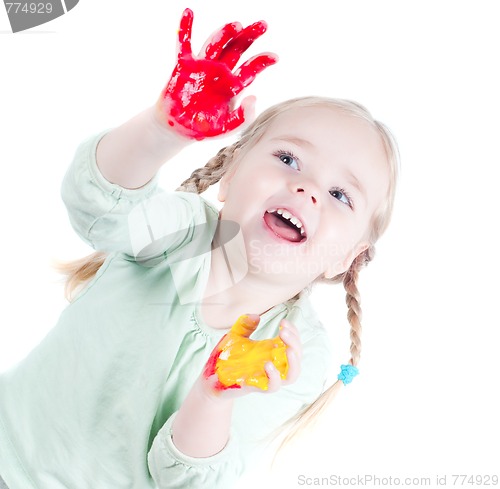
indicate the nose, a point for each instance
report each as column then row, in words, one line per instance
column 311, row 192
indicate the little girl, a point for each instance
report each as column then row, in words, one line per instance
column 124, row 392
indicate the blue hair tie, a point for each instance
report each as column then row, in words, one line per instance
column 347, row 373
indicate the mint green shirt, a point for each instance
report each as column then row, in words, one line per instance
column 91, row 407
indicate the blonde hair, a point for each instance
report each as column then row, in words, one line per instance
column 202, row 178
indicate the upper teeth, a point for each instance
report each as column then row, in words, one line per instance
column 290, row 217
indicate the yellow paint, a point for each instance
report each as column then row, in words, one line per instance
column 242, row 360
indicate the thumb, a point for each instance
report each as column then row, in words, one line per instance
column 245, row 325
column 247, row 107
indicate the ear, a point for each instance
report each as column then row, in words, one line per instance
column 342, row 267
column 226, row 179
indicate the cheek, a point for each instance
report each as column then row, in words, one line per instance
column 341, row 234
column 249, row 186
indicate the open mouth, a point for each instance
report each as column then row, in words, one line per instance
column 285, row 225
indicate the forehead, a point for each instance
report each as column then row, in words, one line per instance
column 322, row 125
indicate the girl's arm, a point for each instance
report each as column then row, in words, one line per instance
column 202, row 425
column 197, row 102
column 255, row 418
column 106, row 186
column 132, row 154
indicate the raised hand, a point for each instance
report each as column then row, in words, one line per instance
column 198, row 100
column 237, row 361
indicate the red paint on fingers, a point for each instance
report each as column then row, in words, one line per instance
column 185, row 29
column 217, row 43
column 235, row 48
column 198, row 100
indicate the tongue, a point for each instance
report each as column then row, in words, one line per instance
column 281, row 228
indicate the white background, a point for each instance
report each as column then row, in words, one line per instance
column 426, row 401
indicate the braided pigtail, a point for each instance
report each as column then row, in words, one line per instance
column 307, row 415
column 352, row 299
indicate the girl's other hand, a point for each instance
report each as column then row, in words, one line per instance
column 198, row 100
column 239, row 365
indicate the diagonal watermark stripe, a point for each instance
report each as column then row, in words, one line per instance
column 158, row 232
column 25, row 15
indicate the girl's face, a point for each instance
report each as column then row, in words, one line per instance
column 305, row 194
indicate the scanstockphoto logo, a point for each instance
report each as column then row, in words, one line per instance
column 25, row 15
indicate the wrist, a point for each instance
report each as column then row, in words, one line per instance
column 202, row 425
column 165, row 132
column 210, row 396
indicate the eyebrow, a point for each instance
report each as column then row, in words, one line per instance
column 294, row 140
column 354, row 181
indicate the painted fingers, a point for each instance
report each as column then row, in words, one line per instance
column 240, row 363
column 199, row 98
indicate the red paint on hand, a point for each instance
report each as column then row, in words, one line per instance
column 197, row 99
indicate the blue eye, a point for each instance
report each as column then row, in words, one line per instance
column 342, row 195
column 288, row 159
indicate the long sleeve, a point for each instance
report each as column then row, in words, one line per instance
column 145, row 223
column 171, row 469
